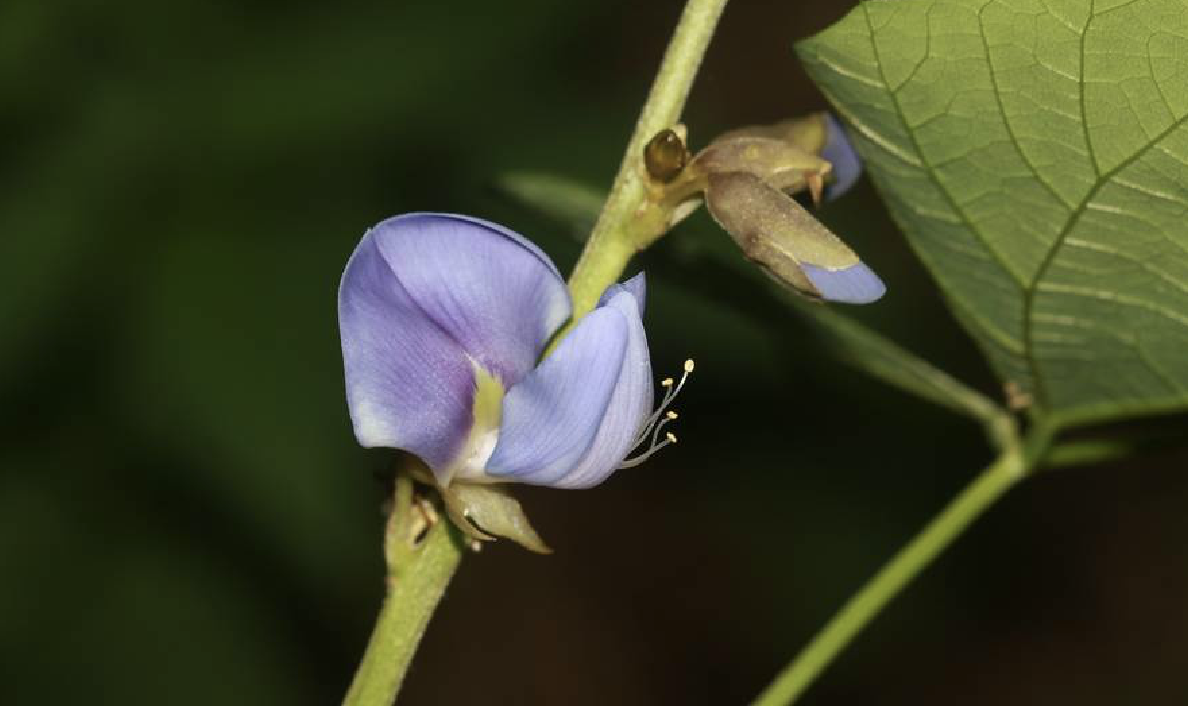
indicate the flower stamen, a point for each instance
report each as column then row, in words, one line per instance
column 651, row 428
column 656, row 429
column 669, row 438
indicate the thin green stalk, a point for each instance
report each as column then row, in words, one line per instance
column 871, row 353
column 619, row 233
column 418, row 571
column 1012, row 464
column 421, row 557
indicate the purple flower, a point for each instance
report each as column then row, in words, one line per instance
column 443, row 321
column 838, row 151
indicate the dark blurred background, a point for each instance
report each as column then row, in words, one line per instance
column 186, row 519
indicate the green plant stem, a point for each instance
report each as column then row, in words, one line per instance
column 420, row 564
column 419, row 572
column 619, row 232
column 1012, row 464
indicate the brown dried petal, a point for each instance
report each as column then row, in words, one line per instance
column 782, row 165
column 773, row 230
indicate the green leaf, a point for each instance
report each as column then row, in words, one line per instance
column 1036, row 154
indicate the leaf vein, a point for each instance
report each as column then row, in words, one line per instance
column 1137, row 302
column 1116, row 7
column 1006, row 121
column 1081, row 94
column 927, row 167
column 1169, row 380
column 1030, row 290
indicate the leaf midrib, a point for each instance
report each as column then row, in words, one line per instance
column 1028, row 288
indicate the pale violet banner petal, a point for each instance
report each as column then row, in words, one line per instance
column 408, row 384
column 630, row 404
column 490, row 289
column 551, row 418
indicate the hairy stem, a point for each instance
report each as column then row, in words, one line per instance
column 619, row 233
column 421, row 558
column 1013, row 463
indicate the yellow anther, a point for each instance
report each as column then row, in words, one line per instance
column 653, row 426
